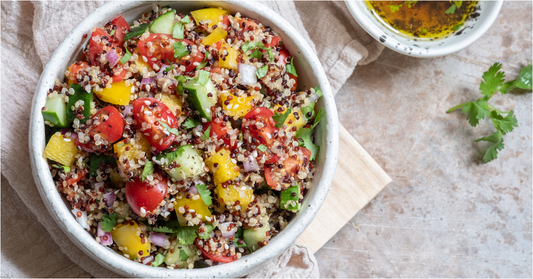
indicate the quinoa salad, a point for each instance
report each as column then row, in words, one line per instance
column 182, row 140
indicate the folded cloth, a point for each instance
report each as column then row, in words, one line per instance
column 31, row 31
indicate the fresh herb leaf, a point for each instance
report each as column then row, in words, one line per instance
column 477, row 110
column 458, row 3
column 291, row 69
column 66, row 169
column 202, row 64
column 280, row 118
column 262, row 71
column 159, row 258
column 112, row 32
column 395, row 8
column 505, row 124
column 108, row 222
column 183, row 255
column 178, row 31
column 206, row 133
column 524, row 80
column 319, row 116
column 492, row 80
column 191, row 123
column 304, row 136
column 318, row 91
column 492, row 151
column 170, row 130
column 186, row 235
column 136, row 31
column 206, row 234
column 180, row 50
column 186, row 19
column 148, row 170
column 126, row 57
column 169, row 68
column 203, row 77
column 309, row 109
column 252, row 45
column 181, row 80
column 270, row 55
column 256, row 54
column 451, row 9
column 262, row 148
column 457, row 27
column 205, row 194
column 163, row 229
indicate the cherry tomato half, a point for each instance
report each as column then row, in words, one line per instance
column 282, row 60
column 289, row 167
column 122, row 27
column 162, row 46
column 143, row 195
column 220, row 130
column 264, row 135
column 148, row 112
column 97, row 49
column 214, row 257
column 110, row 124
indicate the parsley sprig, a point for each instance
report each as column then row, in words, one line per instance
column 503, row 121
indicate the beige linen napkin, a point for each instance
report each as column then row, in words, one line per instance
column 30, row 33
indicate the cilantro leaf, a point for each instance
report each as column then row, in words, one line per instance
column 66, row 169
column 206, row 234
column 170, row 130
column 178, row 31
column 183, row 255
column 262, row 148
column 262, row 71
column 458, row 26
column 202, row 64
column 492, row 151
column 203, row 77
column 108, row 222
column 180, row 50
column 126, row 57
column 163, row 229
column 505, row 124
column 477, row 110
column 309, row 109
column 493, row 78
column 181, row 80
column 252, row 45
column 169, row 68
column 148, row 170
column 205, row 194
column 319, row 116
column 304, row 136
column 318, row 91
column 186, row 235
column 256, row 54
column 291, row 69
column 270, row 55
column 191, row 123
column 395, row 8
column 524, row 80
column 280, row 118
column 205, row 136
column 158, row 260
column 451, row 9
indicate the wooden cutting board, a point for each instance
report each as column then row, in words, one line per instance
column 358, row 180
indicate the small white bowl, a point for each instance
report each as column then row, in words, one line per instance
column 473, row 29
column 310, row 74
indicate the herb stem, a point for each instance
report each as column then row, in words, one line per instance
column 493, row 108
column 457, row 107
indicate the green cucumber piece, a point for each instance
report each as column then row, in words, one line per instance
column 180, row 255
column 164, row 23
column 287, row 196
column 96, row 160
column 79, row 94
column 189, row 161
column 252, row 237
column 137, row 31
column 56, row 112
column 198, row 97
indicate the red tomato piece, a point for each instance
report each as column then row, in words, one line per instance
column 81, row 174
column 163, row 49
column 265, row 135
column 143, row 195
column 290, row 167
column 149, row 111
column 96, row 49
column 75, row 68
column 122, row 27
column 284, row 59
column 119, row 76
column 214, row 257
column 219, row 130
column 275, row 41
column 225, row 21
column 110, row 124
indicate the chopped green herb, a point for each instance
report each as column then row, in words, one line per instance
column 108, row 222
column 280, row 118
column 202, row 64
column 252, row 45
column 206, row 234
column 451, row 9
column 159, row 258
column 205, row 194
column 136, row 31
column 186, row 235
column 291, row 69
column 112, row 32
column 457, row 27
column 180, row 50
column 168, row 69
column 309, row 109
column 318, row 91
column 66, row 169
column 262, row 71
column 203, row 77
column 458, row 3
column 395, row 8
column 206, row 133
column 424, row 30
column 126, row 57
column 191, row 123
column 262, row 148
column 270, row 55
column 492, row 152
column 319, row 116
column 181, row 80
column 256, row 54
column 170, row 130
column 304, row 136
column 148, row 170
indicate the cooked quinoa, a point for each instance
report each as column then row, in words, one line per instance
column 181, row 140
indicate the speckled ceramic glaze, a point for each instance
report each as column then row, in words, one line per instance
column 310, row 74
column 485, row 14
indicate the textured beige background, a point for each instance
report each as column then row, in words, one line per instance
column 445, row 214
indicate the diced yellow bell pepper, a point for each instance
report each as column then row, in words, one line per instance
column 195, row 203
column 61, row 149
column 226, row 169
column 291, row 120
column 217, row 35
column 118, row 94
column 230, row 61
column 125, row 236
column 172, row 102
column 132, row 151
column 238, row 106
column 231, row 194
column 211, row 14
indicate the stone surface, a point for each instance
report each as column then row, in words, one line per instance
column 446, row 214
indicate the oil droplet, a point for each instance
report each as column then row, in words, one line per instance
column 383, row 38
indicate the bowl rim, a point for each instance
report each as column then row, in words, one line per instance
column 119, row 264
column 362, row 18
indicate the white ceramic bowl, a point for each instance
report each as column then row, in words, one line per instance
column 473, row 29
column 310, row 74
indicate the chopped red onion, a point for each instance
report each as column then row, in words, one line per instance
column 250, row 164
column 148, row 259
column 157, row 239
column 247, row 74
column 128, row 110
column 193, row 190
column 222, row 218
column 105, row 237
column 224, row 230
column 112, row 57
column 82, row 220
column 110, row 197
column 74, row 136
column 148, row 80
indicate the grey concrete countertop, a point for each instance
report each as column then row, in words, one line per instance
column 446, row 214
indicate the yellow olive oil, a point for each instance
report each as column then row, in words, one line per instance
column 423, row 19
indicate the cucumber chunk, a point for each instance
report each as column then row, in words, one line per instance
column 253, row 237
column 164, row 23
column 79, row 95
column 56, row 112
column 288, row 200
column 137, row 31
column 96, row 160
column 187, row 158
column 180, row 255
column 198, row 97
